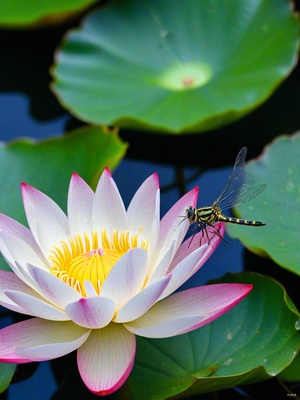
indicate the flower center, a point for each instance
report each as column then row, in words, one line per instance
column 82, row 258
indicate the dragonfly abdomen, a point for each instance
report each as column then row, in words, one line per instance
column 239, row 221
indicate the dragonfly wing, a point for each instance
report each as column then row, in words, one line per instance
column 245, row 193
column 235, row 179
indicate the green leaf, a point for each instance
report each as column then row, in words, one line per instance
column 278, row 206
column 49, row 164
column 173, row 65
column 6, row 373
column 254, row 341
column 21, row 13
column 292, row 372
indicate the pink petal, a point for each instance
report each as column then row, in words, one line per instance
column 38, row 340
column 80, row 204
column 143, row 211
column 192, row 243
column 106, row 359
column 93, row 313
column 127, row 277
column 108, row 208
column 47, row 222
column 173, row 227
column 143, row 301
column 176, row 213
column 188, row 310
column 189, row 259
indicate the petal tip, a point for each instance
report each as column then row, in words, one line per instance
column 107, row 172
column 117, row 385
column 24, row 186
column 249, row 286
column 156, row 178
column 26, row 189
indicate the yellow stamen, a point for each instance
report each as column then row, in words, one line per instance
column 85, row 257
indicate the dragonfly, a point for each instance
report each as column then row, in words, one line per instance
column 234, row 193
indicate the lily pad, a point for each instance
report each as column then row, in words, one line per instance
column 254, row 341
column 22, row 13
column 49, row 164
column 6, row 373
column 278, row 206
column 292, row 372
column 175, row 66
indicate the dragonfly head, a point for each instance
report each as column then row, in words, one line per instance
column 191, row 213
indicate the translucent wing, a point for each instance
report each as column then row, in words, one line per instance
column 236, row 192
column 245, row 193
column 236, row 179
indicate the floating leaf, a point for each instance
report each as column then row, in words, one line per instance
column 292, row 372
column 278, row 206
column 49, row 164
column 21, row 13
column 254, row 341
column 6, row 374
column 175, row 66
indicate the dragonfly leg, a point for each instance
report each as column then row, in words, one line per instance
column 218, row 233
column 193, row 230
column 203, row 228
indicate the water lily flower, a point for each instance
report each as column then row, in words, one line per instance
column 98, row 277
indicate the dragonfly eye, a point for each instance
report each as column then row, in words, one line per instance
column 190, row 212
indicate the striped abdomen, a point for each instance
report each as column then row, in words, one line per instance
column 232, row 220
column 212, row 215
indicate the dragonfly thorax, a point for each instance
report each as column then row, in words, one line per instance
column 208, row 215
column 204, row 215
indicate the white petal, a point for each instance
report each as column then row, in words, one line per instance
column 144, row 212
column 39, row 339
column 163, row 266
column 17, row 296
column 14, row 228
column 185, row 269
column 90, row 289
column 144, row 300
column 15, row 249
column 106, row 359
column 32, row 305
column 127, row 277
column 47, row 222
column 17, row 254
column 188, row 310
column 10, row 281
column 108, row 207
column 93, row 312
column 80, row 204
column 51, row 288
